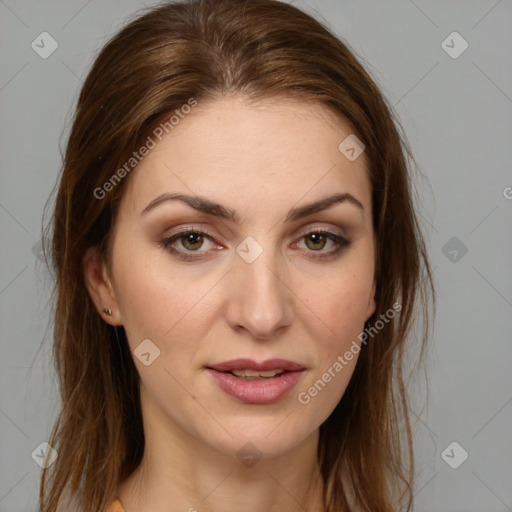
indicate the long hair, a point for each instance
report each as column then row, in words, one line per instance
column 206, row 49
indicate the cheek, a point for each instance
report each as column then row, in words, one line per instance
column 159, row 305
column 343, row 309
column 341, row 305
column 341, row 294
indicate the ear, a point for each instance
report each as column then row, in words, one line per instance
column 99, row 286
column 372, row 305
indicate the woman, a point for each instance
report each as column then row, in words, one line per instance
column 237, row 264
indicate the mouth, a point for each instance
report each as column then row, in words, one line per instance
column 255, row 375
column 251, row 368
column 256, row 383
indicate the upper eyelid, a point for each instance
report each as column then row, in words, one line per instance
column 302, row 232
column 175, row 237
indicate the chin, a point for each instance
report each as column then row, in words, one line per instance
column 270, row 437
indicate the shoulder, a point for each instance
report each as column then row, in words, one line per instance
column 114, row 506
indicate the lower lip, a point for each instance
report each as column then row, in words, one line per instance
column 257, row 391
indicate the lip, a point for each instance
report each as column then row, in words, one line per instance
column 250, row 364
column 257, row 391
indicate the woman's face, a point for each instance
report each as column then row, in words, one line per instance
column 254, row 283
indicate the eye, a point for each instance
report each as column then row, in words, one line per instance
column 316, row 240
column 192, row 240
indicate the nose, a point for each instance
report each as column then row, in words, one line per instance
column 260, row 301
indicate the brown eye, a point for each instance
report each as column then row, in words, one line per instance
column 317, row 240
column 192, row 241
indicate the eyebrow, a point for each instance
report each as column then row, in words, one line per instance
column 209, row 207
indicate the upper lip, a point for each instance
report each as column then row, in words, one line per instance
column 249, row 364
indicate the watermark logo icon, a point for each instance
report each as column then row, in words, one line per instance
column 351, row 147
column 454, row 455
column 37, row 251
column 146, row 352
column 249, row 455
column 454, row 249
column 454, row 45
column 44, row 45
column 44, row 455
column 249, row 250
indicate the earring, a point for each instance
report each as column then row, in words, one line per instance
column 107, row 311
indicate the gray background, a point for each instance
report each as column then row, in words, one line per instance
column 457, row 115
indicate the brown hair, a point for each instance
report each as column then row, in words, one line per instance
column 204, row 49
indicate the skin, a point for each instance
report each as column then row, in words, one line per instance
column 261, row 160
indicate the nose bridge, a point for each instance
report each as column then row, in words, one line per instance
column 262, row 300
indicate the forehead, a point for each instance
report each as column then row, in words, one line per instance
column 260, row 154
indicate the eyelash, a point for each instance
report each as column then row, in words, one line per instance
column 341, row 241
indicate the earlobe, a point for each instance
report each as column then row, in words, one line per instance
column 99, row 286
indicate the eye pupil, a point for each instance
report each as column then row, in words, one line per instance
column 190, row 239
column 319, row 238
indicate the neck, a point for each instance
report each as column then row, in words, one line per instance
column 187, row 476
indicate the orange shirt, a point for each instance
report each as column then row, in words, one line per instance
column 115, row 506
